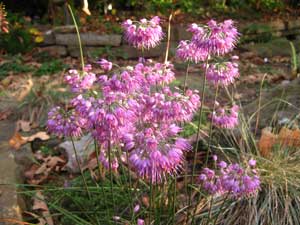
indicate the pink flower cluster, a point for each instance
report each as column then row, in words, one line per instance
column 143, row 34
column 189, row 51
column 215, row 38
column 232, row 179
column 223, row 73
column 226, row 120
column 132, row 109
column 207, row 43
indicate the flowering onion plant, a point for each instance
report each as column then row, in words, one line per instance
column 135, row 117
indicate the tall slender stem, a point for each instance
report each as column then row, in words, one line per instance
column 79, row 166
column 78, row 36
column 221, row 208
column 174, row 199
column 111, row 174
column 100, row 172
column 211, row 125
column 199, row 121
column 150, row 198
column 210, row 208
column 198, row 130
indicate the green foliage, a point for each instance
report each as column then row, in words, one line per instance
column 15, row 66
column 52, row 67
column 263, row 33
column 109, row 53
column 268, row 4
column 295, row 60
column 18, row 40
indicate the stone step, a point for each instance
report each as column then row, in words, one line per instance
column 9, row 200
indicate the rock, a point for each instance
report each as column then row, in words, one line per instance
column 294, row 24
column 88, row 39
column 84, row 147
column 49, row 38
column 9, row 199
column 276, row 47
column 38, row 143
column 24, row 157
column 180, row 33
column 55, row 50
column 64, row 29
column 124, row 51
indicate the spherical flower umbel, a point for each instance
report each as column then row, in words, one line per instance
column 226, row 120
column 105, row 65
column 215, row 38
column 189, row 52
column 222, row 73
column 143, row 34
column 80, row 82
column 233, row 180
column 68, row 124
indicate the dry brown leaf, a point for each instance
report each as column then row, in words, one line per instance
column 5, row 114
column 146, row 201
column 23, row 125
column 42, row 169
column 42, row 221
column 26, row 89
column 17, row 140
column 14, row 221
column 39, row 202
column 31, row 172
column 41, row 135
column 38, row 180
column 53, row 161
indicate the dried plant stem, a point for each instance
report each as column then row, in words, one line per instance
column 79, row 166
column 259, row 104
column 169, row 38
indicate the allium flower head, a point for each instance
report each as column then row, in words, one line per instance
column 222, row 73
column 68, row 124
column 188, row 51
column 226, row 120
column 215, row 38
column 105, row 65
column 140, row 222
column 143, row 34
column 80, row 83
column 230, row 179
column 131, row 109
